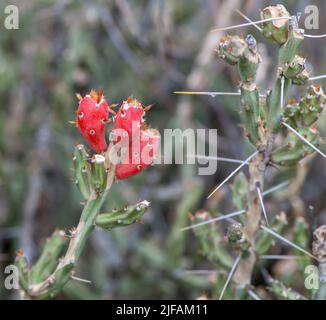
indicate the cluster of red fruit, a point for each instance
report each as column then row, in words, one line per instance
column 93, row 117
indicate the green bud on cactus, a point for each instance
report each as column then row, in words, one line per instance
column 301, row 79
column 123, row 217
column 231, row 49
column 312, row 105
column 249, row 62
column 82, row 170
column 211, row 242
column 295, row 67
column 98, row 172
column 292, row 113
column 275, row 30
column 236, row 237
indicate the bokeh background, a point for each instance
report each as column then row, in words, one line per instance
column 145, row 48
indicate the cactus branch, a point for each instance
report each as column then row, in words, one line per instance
column 54, row 282
column 303, row 139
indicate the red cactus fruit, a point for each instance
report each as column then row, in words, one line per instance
column 130, row 115
column 140, row 156
column 92, row 118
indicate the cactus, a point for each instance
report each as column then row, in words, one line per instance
column 319, row 250
column 94, row 174
column 265, row 115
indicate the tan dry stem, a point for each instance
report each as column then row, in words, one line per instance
column 257, row 167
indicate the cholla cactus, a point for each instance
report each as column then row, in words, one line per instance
column 95, row 171
column 282, row 134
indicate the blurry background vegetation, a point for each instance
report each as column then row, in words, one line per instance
column 145, row 48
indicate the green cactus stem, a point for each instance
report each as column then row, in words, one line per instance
column 211, row 242
column 46, row 263
column 250, row 110
column 24, row 273
column 46, row 281
column 82, row 170
column 98, row 173
column 123, row 217
column 294, row 149
column 287, row 56
column 273, row 101
column 301, row 237
column 240, row 189
column 311, row 105
column 249, row 61
column 282, row 292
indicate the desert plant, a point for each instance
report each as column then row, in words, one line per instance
column 283, row 132
column 95, row 171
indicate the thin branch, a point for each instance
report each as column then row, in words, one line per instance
column 250, row 23
column 233, row 173
column 223, row 217
column 230, row 275
column 260, row 196
column 304, row 139
column 276, row 235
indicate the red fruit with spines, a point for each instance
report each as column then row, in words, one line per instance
column 92, row 119
column 147, row 145
column 130, row 113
